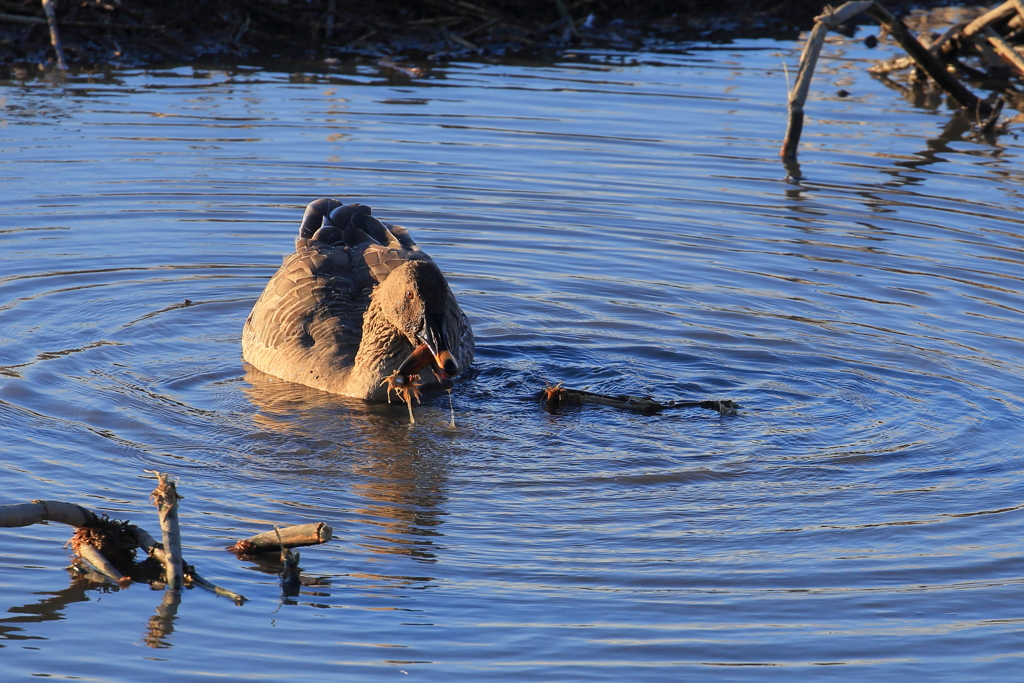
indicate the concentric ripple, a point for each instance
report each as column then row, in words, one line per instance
column 617, row 222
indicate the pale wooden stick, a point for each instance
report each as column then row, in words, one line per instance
column 51, row 18
column 988, row 18
column 1019, row 6
column 94, row 557
column 1004, row 50
column 165, row 497
column 24, row 514
column 808, row 60
column 297, row 536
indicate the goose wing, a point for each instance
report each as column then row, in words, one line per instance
column 312, row 308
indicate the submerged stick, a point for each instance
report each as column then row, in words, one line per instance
column 297, row 536
column 554, row 397
column 165, row 497
column 51, row 18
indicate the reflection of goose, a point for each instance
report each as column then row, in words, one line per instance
column 356, row 302
column 389, row 481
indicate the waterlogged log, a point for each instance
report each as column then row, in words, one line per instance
column 557, row 396
column 297, row 536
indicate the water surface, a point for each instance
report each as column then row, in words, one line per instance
column 616, row 221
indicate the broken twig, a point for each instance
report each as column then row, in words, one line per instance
column 297, row 536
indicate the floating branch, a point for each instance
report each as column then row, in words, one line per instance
column 298, row 536
column 109, row 546
column 557, row 396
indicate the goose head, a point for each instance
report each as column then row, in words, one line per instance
column 414, row 299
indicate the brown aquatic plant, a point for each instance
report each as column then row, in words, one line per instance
column 406, row 386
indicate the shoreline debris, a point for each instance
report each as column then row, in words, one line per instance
column 987, row 37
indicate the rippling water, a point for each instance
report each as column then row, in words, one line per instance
column 619, row 222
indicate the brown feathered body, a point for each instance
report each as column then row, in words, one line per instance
column 346, row 309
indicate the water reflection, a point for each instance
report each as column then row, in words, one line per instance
column 392, row 468
column 161, row 624
column 50, row 608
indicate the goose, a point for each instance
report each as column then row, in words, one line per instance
column 358, row 308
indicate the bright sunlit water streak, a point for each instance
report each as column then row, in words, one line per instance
column 618, row 222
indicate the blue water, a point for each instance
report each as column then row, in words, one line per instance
column 616, row 221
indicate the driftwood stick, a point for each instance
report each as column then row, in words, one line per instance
column 808, row 60
column 40, row 511
column 931, row 64
column 1019, row 6
column 999, row 13
column 555, row 397
column 297, row 536
column 165, row 497
column 51, row 18
column 1004, row 49
column 94, row 557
